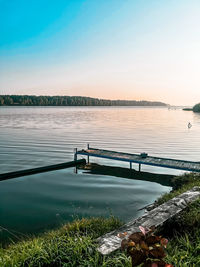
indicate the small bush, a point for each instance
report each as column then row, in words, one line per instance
column 146, row 249
column 196, row 108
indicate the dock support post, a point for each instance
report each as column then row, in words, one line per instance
column 130, row 165
column 88, row 158
column 139, row 167
column 75, row 154
column 75, row 159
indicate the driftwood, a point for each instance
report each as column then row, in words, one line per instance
column 112, row 241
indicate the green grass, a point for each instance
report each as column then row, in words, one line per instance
column 74, row 243
column 183, row 230
column 180, row 185
column 184, row 250
column 71, row 245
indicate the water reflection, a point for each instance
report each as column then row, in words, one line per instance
column 162, row 179
column 38, row 136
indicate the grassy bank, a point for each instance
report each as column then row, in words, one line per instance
column 71, row 245
column 74, row 243
column 183, row 231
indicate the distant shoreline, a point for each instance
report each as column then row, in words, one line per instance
column 31, row 100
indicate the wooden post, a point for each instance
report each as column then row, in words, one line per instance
column 88, row 157
column 130, row 165
column 75, row 170
column 75, row 159
column 139, row 167
column 75, row 154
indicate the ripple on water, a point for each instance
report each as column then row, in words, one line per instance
column 33, row 137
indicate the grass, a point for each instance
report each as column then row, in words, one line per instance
column 183, row 230
column 180, row 185
column 184, row 250
column 74, row 243
column 71, row 245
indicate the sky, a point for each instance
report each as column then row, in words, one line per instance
column 112, row 49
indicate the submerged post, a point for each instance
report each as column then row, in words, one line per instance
column 88, row 157
column 130, row 165
column 75, row 159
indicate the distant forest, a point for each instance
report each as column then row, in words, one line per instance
column 31, row 100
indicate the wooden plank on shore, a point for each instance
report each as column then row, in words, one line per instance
column 137, row 158
column 112, row 241
column 10, row 175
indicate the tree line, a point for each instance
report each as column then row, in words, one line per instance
column 31, row 100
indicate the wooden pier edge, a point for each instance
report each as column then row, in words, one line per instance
column 139, row 159
column 11, row 175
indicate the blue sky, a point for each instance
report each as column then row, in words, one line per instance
column 117, row 49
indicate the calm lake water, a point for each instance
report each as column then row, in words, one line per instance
column 38, row 136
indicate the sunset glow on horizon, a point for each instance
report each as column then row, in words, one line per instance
column 125, row 49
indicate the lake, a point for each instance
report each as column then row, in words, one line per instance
column 38, row 136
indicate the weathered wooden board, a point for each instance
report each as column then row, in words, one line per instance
column 10, row 175
column 111, row 241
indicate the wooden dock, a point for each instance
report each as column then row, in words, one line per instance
column 140, row 159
